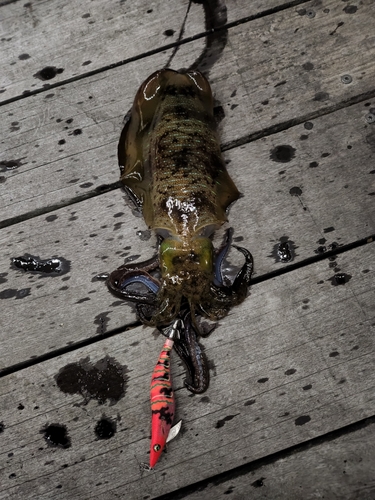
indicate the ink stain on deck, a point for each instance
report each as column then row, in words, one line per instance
column 30, row 263
column 282, row 154
column 48, row 73
column 302, row 420
column 105, row 428
column 221, row 423
column 102, row 321
column 104, row 381
column 56, row 436
column 7, row 165
column 13, row 293
column 258, row 483
column 284, row 250
column 340, row 279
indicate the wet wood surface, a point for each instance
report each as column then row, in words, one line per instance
column 292, row 377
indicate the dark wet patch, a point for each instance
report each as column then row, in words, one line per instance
column 3, row 279
column 258, row 483
column 350, row 9
column 51, row 218
column 308, row 125
column 144, row 235
column 340, row 279
column 295, row 191
column 2, row 427
column 48, row 73
column 102, row 321
column 262, row 380
column 84, row 299
column 56, row 436
column 284, row 251
column 205, row 399
column 104, row 381
column 76, row 131
column 221, row 423
column 321, row 96
column 308, row 66
column 7, row 165
column 249, row 402
column 290, row 371
column 105, row 428
column 282, row 154
column 13, row 293
column 333, row 354
column 302, row 420
column 53, row 267
column 307, row 387
column 169, row 32
column 328, row 229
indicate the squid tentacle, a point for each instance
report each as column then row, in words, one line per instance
column 119, row 280
column 244, row 275
column 190, row 351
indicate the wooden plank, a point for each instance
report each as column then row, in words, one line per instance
column 334, row 208
column 88, row 117
column 90, row 35
column 92, row 238
column 342, row 467
column 292, row 363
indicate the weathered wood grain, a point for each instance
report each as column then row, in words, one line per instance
column 334, row 207
column 86, row 36
column 246, row 84
column 47, row 312
column 342, row 467
column 295, row 365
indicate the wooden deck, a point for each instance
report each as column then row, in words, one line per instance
column 290, row 411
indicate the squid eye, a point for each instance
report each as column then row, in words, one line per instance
column 157, row 447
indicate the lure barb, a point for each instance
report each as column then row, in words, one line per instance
column 162, row 396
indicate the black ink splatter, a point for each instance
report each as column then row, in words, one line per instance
column 7, row 165
column 221, row 423
column 105, row 428
column 48, row 73
column 56, row 436
column 340, row 279
column 13, row 293
column 106, row 380
column 284, row 251
column 258, row 483
column 282, row 153
column 302, row 420
column 54, row 266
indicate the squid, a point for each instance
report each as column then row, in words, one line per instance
column 172, row 169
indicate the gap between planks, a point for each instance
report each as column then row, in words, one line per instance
column 245, row 469
column 137, row 57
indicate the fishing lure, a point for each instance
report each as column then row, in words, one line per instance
column 162, row 397
column 172, row 168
